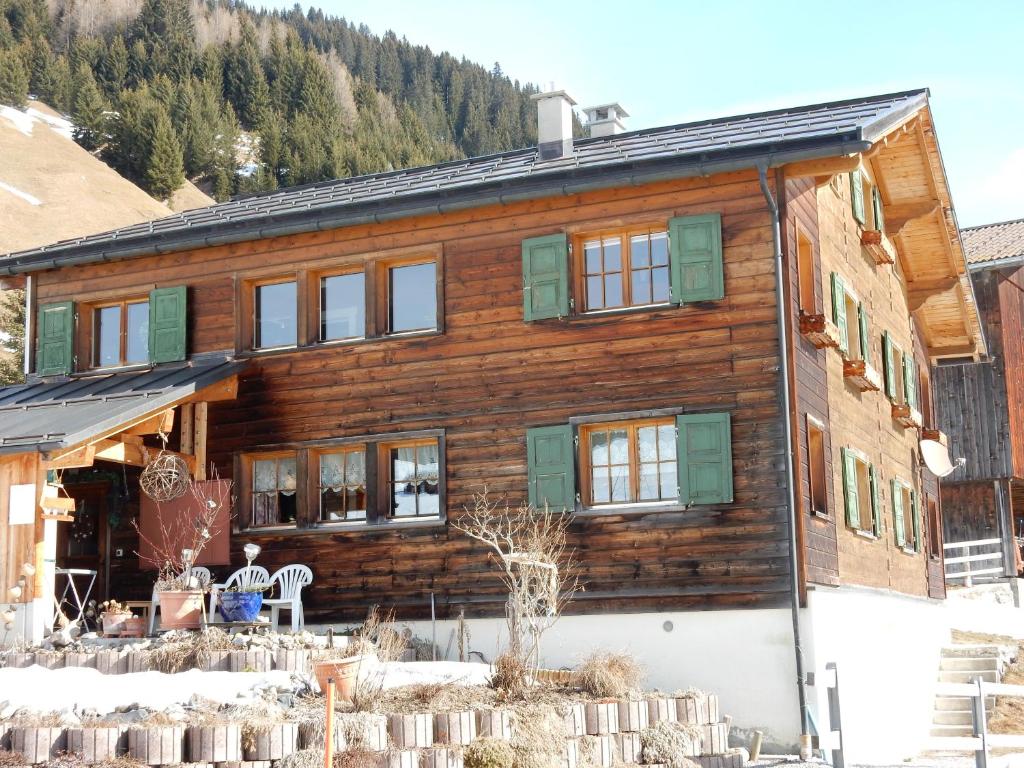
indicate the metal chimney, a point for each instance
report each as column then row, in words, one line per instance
column 605, row 119
column 554, row 124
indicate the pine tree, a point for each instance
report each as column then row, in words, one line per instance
column 88, row 110
column 12, row 329
column 164, row 169
column 113, row 69
column 316, row 99
column 14, row 79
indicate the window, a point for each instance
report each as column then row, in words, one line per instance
column 900, row 374
column 343, row 485
column 630, row 462
column 934, row 530
column 816, row 467
column 413, row 479
column 850, row 317
column 342, row 306
column 861, row 493
column 906, row 524
column 412, row 297
column 275, row 315
column 625, row 269
column 274, row 486
column 805, row 272
column 121, row 333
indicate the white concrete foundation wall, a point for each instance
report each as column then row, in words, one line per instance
column 30, row 620
column 886, row 647
column 744, row 656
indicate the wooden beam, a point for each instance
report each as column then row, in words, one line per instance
column 80, row 457
column 187, row 426
column 955, row 350
column 160, row 422
column 919, row 291
column 225, row 389
column 122, row 452
column 827, row 167
column 201, row 413
column 898, row 215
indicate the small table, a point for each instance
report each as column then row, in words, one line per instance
column 80, row 600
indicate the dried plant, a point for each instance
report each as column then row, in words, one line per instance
column 605, row 674
column 304, row 758
column 537, row 566
column 488, row 753
column 191, row 651
column 511, row 676
column 357, row 757
column 669, row 743
column 12, row 759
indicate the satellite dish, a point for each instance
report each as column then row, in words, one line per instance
column 936, row 458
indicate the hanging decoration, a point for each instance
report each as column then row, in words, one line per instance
column 166, row 477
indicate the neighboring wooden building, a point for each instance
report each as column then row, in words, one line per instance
column 592, row 325
column 979, row 406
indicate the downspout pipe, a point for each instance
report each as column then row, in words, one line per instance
column 780, row 312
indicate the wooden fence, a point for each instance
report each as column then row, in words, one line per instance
column 970, row 563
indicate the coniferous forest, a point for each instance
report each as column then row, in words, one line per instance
column 242, row 100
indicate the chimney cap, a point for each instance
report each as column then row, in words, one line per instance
column 591, row 112
column 553, row 95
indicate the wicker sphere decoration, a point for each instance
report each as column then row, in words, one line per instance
column 165, row 478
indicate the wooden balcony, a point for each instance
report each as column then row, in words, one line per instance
column 862, row 376
column 820, row 331
column 937, row 435
column 879, row 246
column 909, row 417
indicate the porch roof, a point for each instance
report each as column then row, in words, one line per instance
column 62, row 414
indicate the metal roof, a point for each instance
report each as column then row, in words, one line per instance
column 46, row 416
column 993, row 245
column 699, row 148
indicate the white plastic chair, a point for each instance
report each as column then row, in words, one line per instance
column 199, row 572
column 290, row 580
column 243, row 577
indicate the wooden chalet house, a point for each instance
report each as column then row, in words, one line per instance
column 979, row 406
column 712, row 342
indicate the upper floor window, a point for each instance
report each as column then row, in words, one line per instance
column 625, row 269
column 860, row 485
column 121, row 333
column 413, row 478
column 805, row 272
column 900, row 374
column 275, row 314
column 412, row 297
column 342, row 306
column 816, row 467
column 343, row 484
column 274, row 487
column 630, row 462
column 850, row 317
column 906, row 517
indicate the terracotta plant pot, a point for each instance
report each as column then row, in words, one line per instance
column 134, row 626
column 181, row 609
column 113, row 623
column 343, row 672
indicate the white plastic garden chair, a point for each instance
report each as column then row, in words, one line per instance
column 243, row 577
column 290, row 580
column 199, row 572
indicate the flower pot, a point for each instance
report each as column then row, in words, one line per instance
column 181, row 609
column 113, row 623
column 134, row 626
column 240, row 606
column 343, row 672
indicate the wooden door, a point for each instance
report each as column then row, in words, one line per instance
column 83, row 543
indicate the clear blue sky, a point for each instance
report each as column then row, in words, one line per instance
column 669, row 62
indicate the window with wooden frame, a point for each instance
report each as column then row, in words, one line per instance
column 805, row 272
column 906, row 517
column 342, row 484
column 934, row 530
column 860, row 487
column 273, row 489
column 851, row 318
column 629, row 462
column 816, row 477
column 274, row 313
column 623, row 268
column 412, row 478
column 120, row 333
column 900, row 374
column 342, row 305
column 409, row 291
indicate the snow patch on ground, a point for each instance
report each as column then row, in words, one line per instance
column 396, row 674
column 60, row 125
column 23, row 195
column 25, row 121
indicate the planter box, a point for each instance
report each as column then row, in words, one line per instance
column 602, row 718
column 633, row 716
column 38, row 745
column 50, row 659
column 576, row 721
column 601, row 750
column 275, row 743
column 218, row 661
column 907, row 416
column 287, row 660
column 729, row 760
column 697, row 711
column 111, row 662
column 937, row 435
column 361, row 731
column 571, row 756
column 19, row 659
column 714, row 739
column 411, row 731
column 862, row 376
column 440, row 757
column 820, row 331
column 157, row 745
column 251, row 661
column 138, row 661
column 879, row 246
column 628, row 747
column 98, row 745
column 77, row 659
column 495, row 724
column 402, row 758
column 5, row 736
column 214, row 743
column 454, row 728
column 661, row 709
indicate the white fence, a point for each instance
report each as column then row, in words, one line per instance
column 970, row 564
column 981, row 741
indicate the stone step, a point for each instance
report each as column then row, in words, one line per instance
column 953, row 718
column 949, row 676
column 974, row 651
column 952, row 730
column 967, row 664
column 960, row 703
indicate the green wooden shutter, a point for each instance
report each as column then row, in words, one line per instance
column 839, row 312
column 876, row 506
column 916, row 520
column 545, row 277
column 890, row 366
column 857, row 196
column 897, row 514
column 695, row 243
column 909, row 381
column 852, row 494
column 168, row 320
column 55, row 332
column 862, row 326
column 551, row 467
column 704, row 458
column 876, row 205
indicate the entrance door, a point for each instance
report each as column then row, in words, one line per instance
column 83, row 543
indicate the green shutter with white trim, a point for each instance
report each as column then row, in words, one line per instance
column 862, row 325
column 909, row 381
column 877, row 208
column 857, row 196
column 550, row 461
column 876, row 505
column 897, row 513
column 695, row 245
column 916, row 512
column 55, row 334
column 888, row 356
column 851, row 496
column 168, row 321
column 545, row 277
column 704, row 458
column 839, row 312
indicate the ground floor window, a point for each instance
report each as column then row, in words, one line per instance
column 274, row 487
column 343, row 485
column 413, row 479
column 630, row 462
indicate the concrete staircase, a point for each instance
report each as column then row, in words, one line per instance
column 961, row 664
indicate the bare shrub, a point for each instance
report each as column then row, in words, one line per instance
column 12, row 759
column 190, row 652
column 304, row 758
column 511, row 677
column 357, row 757
column 488, row 753
column 538, row 737
column 606, row 674
column 669, row 743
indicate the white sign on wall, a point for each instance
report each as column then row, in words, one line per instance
column 22, row 504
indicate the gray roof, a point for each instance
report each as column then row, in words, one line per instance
column 46, row 416
column 994, row 245
column 709, row 146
